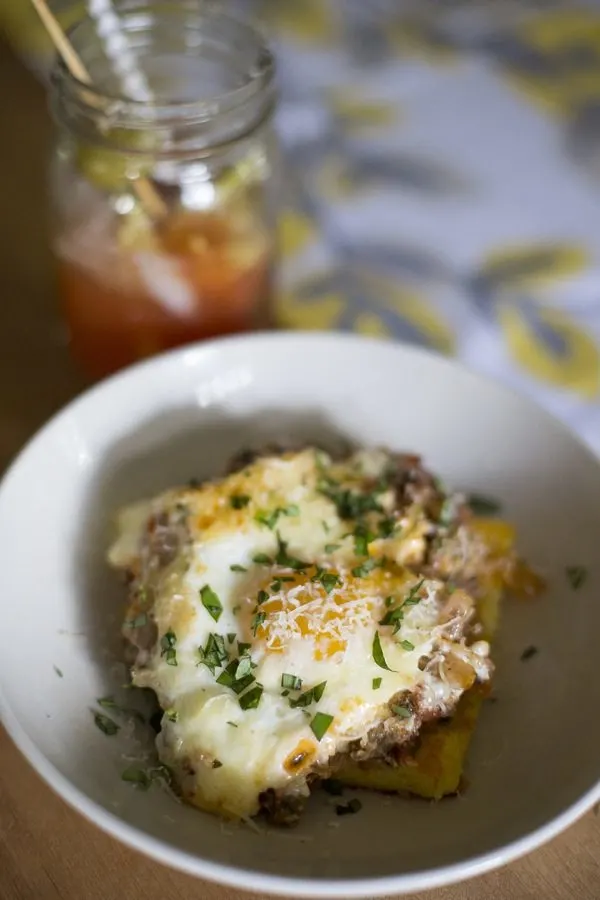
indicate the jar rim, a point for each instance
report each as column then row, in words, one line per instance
column 122, row 110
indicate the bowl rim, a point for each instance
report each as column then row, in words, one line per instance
column 230, row 875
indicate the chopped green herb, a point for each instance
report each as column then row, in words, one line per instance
column 268, row 518
column 167, row 643
column 349, row 809
column 528, row 652
column 389, row 601
column 291, row 681
column 244, row 668
column 137, row 776
column 368, row 566
column 576, row 576
column 58, row 672
column 239, row 686
column 237, row 568
column 329, row 580
column 276, row 585
column 291, row 510
column 262, row 597
column 313, row 695
column 231, row 637
column 386, row 527
column 412, row 597
column 407, row 645
column 393, row 617
column 362, row 539
column 349, row 505
column 110, row 703
column 326, row 527
column 285, row 693
column 211, row 602
column 239, row 501
column 320, row 724
column 378, row 656
column 331, row 548
column 251, row 698
column 172, row 715
column 376, row 683
column 257, row 621
column 319, row 690
column 105, row 724
column 483, row 506
column 283, row 558
column 233, row 724
column 243, row 648
column 262, row 559
column 403, row 712
column 214, row 654
column 138, row 622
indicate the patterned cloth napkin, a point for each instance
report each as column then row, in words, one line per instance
column 443, row 182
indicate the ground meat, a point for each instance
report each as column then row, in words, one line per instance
column 280, row 808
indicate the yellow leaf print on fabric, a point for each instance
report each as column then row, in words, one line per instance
column 412, row 37
column 423, row 317
column 523, row 266
column 305, row 20
column 555, row 58
column 370, row 325
column 295, row 231
column 314, row 315
column 359, row 114
column 556, row 351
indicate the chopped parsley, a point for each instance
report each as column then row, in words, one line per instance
column 214, row 654
column 393, row 617
column 403, row 712
column 257, row 621
column 244, row 668
column 331, row 548
column 239, row 501
column 167, row 643
column 362, row 539
column 137, row 776
column 412, row 597
column 407, row 645
column 378, row 656
column 58, row 671
column 313, row 695
column 233, row 724
column 237, row 568
column 262, row 559
column 270, row 518
column 231, row 637
column 251, row 698
column 211, row 602
column 368, row 566
column 320, row 724
column 138, row 622
column 262, row 597
column 349, row 505
column 349, row 809
column 291, row 682
column 576, row 576
column 285, row 560
column 483, row 506
column 172, row 715
column 376, row 683
column 105, row 724
column 329, row 580
column 386, row 527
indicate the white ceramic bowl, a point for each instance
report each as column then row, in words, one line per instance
column 534, row 766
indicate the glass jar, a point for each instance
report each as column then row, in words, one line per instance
column 164, row 181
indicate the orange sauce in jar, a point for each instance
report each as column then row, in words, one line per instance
column 197, row 275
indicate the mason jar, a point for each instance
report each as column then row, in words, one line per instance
column 163, row 181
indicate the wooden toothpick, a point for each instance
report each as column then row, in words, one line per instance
column 145, row 191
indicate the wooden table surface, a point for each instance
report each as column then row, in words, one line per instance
column 47, row 851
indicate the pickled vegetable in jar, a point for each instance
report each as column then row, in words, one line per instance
column 164, row 183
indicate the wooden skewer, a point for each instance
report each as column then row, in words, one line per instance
column 145, row 191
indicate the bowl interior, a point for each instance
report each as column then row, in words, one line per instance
column 182, row 416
